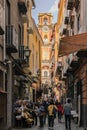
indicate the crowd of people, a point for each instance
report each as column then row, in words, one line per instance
column 27, row 114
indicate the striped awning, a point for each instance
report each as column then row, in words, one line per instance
column 72, row 44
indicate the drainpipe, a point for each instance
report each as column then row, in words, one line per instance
column 9, row 94
column 4, row 48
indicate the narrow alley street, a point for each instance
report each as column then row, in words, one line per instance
column 43, row 64
column 57, row 126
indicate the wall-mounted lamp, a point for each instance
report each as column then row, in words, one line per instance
column 27, row 52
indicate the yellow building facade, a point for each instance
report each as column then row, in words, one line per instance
column 45, row 27
column 34, row 43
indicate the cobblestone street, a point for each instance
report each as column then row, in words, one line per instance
column 57, row 126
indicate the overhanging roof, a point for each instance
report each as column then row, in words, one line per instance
column 72, row 44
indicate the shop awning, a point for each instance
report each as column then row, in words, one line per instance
column 72, row 44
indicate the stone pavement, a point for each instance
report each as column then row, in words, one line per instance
column 57, row 126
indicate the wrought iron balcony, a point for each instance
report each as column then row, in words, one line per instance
column 11, row 39
column 24, row 54
column 22, row 6
column 70, row 4
column 21, row 54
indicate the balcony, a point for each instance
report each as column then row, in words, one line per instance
column 11, row 39
column 22, row 6
column 66, row 20
column 24, row 54
column 70, row 5
column 21, row 59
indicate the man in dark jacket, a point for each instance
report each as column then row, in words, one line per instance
column 41, row 112
column 67, row 113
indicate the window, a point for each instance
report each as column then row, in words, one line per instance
column 45, row 39
column 45, row 74
column 45, row 20
column 8, row 10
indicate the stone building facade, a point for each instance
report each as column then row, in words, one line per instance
column 75, row 54
column 13, row 15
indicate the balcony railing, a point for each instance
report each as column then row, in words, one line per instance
column 11, row 39
column 21, row 59
column 22, row 6
column 24, row 55
column 70, row 4
column 21, row 53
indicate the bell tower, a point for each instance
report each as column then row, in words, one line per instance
column 45, row 27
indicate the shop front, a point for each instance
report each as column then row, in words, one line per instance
column 3, row 109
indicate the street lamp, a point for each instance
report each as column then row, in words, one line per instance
column 27, row 53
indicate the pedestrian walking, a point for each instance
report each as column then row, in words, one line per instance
column 36, row 114
column 41, row 112
column 46, row 111
column 51, row 113
column 60, row 111
column 67, row 113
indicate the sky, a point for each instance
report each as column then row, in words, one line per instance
column 45, row 6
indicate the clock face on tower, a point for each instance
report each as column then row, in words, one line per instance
column 45, row 29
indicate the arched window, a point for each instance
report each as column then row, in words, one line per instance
column 45, row 74
column 45, row 20
column 45, row 39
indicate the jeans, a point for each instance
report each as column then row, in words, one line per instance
column 50, row 122
column 68, row 122
column 41, row 121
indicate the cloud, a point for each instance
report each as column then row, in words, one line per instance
column 54, row 7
